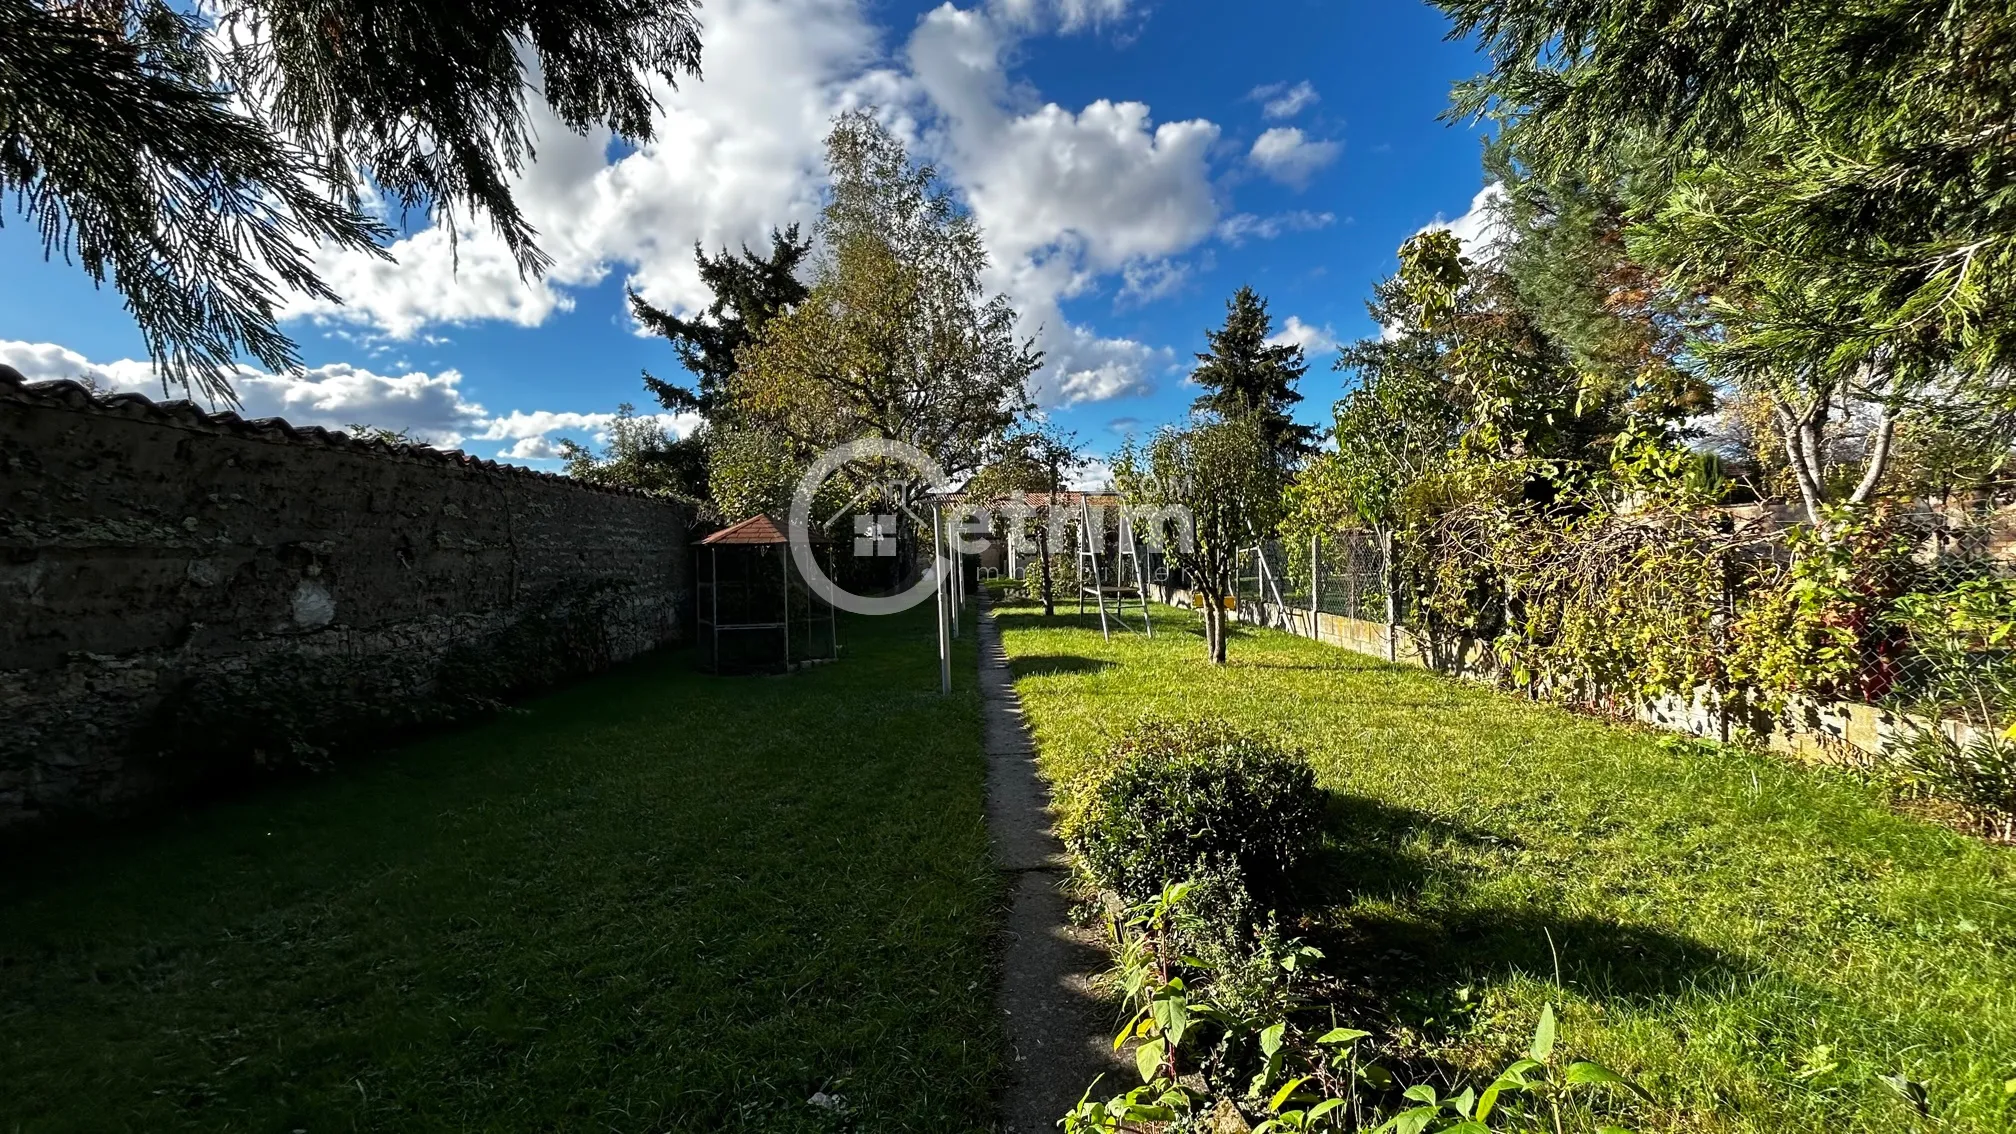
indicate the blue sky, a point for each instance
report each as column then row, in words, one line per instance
column 1132, row 163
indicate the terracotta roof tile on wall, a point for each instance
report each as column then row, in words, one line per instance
column 187, row 415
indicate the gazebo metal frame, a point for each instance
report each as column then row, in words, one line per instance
column 748, row 588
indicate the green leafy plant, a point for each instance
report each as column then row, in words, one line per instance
column 1063, row 575
column 1182, row 1031
column 1978, row 773
column 1149, row 972
column 1004, row 587
column 1186, row 1032
column 1149, row 977
column 1815, row 628
column 1964, row 637
column 1553, row 1088
column 1131, row 1110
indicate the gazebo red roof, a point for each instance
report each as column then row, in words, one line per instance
column 754, row 530
column 757, row 531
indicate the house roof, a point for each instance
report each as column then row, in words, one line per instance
column 1065, row 499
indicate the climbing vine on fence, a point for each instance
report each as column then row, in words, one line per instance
column 1814, row 626
column 1594, row 603
column 1611, row 599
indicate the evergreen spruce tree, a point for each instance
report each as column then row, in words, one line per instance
column 1243, row 374
column 1827, row 182
column 749, row 290
column 197, row 155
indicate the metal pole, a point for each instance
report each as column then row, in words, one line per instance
column 1392, row 596
column 944, row 635
column 956, row 585
column 1353, row 570
column 1092, row 548
column 1315, row 577
column 784, row 560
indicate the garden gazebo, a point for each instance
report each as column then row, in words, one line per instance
column 757, row 614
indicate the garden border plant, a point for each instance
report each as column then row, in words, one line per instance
column 1765, row 948
column 1197, row 829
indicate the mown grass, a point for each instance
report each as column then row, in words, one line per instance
column 1758, row 944
column 654, row 901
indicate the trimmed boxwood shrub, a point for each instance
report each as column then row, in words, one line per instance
column 1196, row 797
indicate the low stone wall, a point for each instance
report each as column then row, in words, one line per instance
column 184, row 595
column 1831, row 732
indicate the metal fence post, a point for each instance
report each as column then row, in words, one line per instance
column 944, row 613
column 956, row 585
column 1354, row 571
column 1315, row 579
column 1392, row 596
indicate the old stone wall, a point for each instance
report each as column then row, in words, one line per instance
column 185, row 595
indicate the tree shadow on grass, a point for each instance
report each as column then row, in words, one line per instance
column 1033, row 618
column 1390, row 899
column 1374, row 850
column 1056, row 663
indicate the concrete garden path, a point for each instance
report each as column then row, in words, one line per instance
column 1059, row 1032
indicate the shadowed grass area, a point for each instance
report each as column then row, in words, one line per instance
column 1758, row 944
column 656, row 900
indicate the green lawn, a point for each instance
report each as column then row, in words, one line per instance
column 657, row 900
column 1757, row 943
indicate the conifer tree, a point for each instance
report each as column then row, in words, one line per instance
column 1830, row 178
column 196, row 155
column 1244, row 374
column 749, row 290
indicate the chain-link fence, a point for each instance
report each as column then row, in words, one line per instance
column 1942, row 620
column 1343, row 573
column 1922, row 614
column 1887, row 642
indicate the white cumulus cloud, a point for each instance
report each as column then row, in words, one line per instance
column 735, row 153
column 1238, row 228
column 1312, row 340
column 431, row 408
column 1064, row 197
column 1480, row 229
column 1068, row 15
column 1287, row 155
column 1068, row 199
column 1094, row 475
